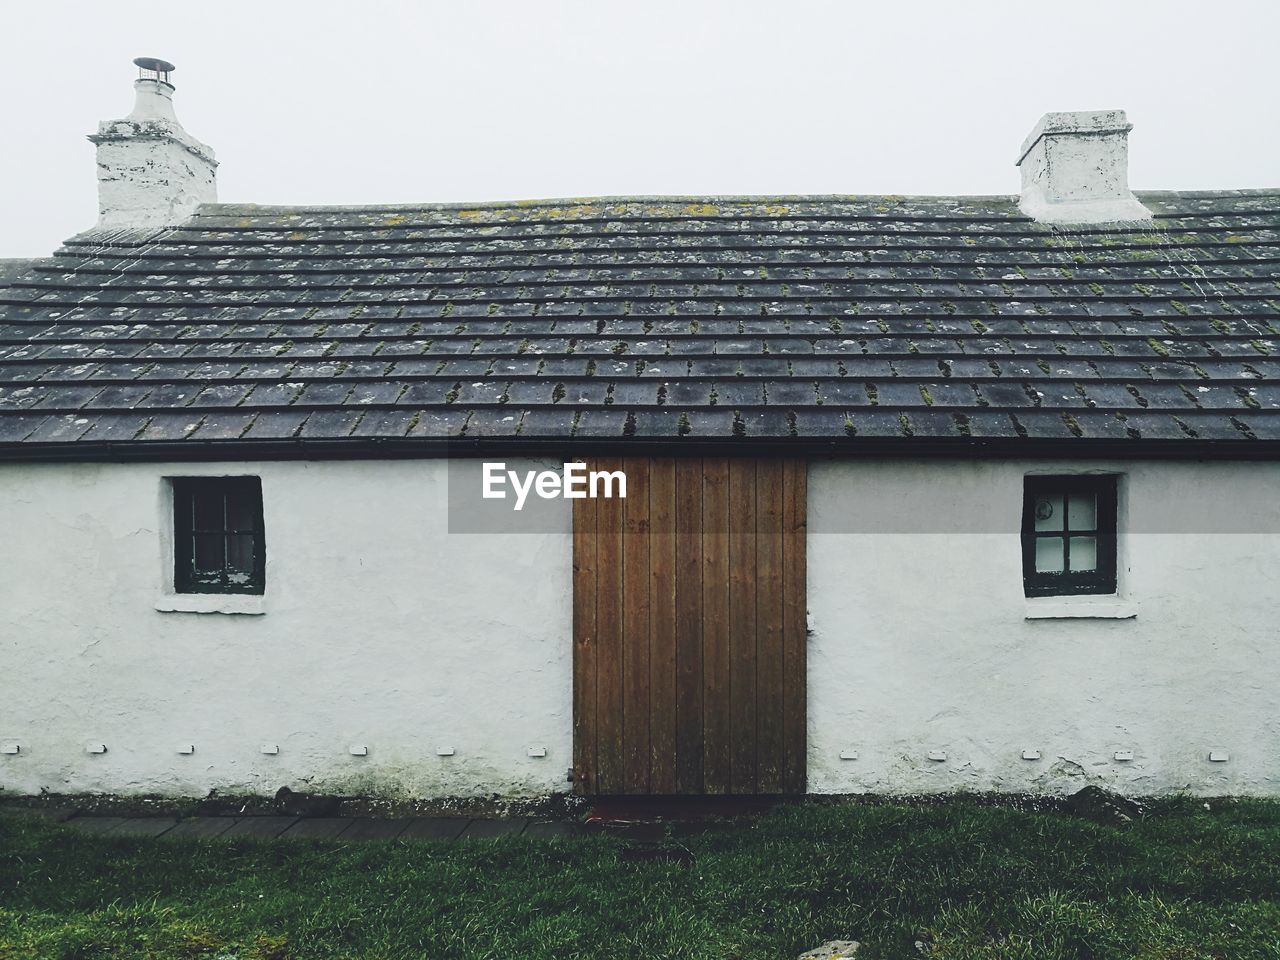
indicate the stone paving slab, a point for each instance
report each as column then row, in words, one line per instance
column 317, row 828
column 96, row 824
column 552, row 830
column 640, row 832
column 479, row 829
column 56, row 814
column 201, row 828
column 259, row 827
column 145, row 827
column 372, row 828
column 354, row 829
column 444, row 829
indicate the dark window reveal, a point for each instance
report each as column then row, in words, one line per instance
column 1069, row 536
column 218, row 542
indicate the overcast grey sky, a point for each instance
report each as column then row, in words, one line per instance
column 389, row 102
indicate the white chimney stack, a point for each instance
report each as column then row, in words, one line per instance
column 151, row 172
column 1075, row 169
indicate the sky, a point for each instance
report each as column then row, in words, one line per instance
column 322, row 102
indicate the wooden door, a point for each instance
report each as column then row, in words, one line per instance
column 689, row 629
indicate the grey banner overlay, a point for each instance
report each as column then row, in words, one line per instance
column 931, row 497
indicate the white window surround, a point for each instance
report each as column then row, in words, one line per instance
column 1087, row 606
column 212, row 603
column 169, row 601
column 1082, row 607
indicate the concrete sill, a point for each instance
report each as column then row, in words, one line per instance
column 1080, row 608
column 211, row 603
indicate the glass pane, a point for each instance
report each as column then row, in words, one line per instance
column 1082, row 511
column 1048, row 512
column 1049, row 555
column 209, row 552
column 208, row 510
column 239, row 558
column 1084, row 554
column 240, row 511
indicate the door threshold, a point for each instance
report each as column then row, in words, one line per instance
column 678, row 809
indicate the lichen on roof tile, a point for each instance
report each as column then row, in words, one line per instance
column 833, row 320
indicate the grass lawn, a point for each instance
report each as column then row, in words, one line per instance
column 971, row 881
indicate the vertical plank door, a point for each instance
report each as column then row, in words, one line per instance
column 689, row 629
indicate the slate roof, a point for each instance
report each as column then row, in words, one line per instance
column 846, row 323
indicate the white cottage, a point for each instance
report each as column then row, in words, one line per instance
column 923, row 494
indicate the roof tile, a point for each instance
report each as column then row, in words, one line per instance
column 823, row 319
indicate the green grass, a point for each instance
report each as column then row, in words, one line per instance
column 972, row 881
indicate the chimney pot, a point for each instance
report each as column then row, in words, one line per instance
column 153, row 68
column 151, row 172
column 1075, row 170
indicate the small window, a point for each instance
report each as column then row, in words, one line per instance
column 1069, row 536
column 218, row 542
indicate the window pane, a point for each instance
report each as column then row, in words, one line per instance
column 1084, row 554
column 1048, row 512
column 1049, row 554
column 1082, row 511
column 208, row 509
column 240, row 558
column 240, row 510
column 219, row 547
column 208, row 552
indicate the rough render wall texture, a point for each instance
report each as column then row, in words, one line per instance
column 1075, row 170
column 919, row 639
column 380, row 629
column 383, row 629
column 146, row 179
column 151, row 172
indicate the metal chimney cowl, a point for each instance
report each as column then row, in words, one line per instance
column 151, row 172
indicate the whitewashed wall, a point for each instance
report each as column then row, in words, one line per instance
column 380, row 628
column 920, row 642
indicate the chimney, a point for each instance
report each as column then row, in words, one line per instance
column 1075, row 169
column 151, row 172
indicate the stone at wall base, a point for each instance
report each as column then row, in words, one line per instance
column 833, row 950
column 1110, row 809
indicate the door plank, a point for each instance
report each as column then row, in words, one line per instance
column 689, row 630
column 585, row 589
column 688, row 626
column 795, row 624
column 635, row 627
column 770, row 719
column 662, row 625
column 717, row 764
column 742, row 624
column 609, row 720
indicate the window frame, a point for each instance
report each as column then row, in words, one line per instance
column 1101, row 581
column 185, row 580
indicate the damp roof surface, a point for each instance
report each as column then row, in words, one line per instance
column 839, row 323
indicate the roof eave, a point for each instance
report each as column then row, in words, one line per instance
column 475, row 447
